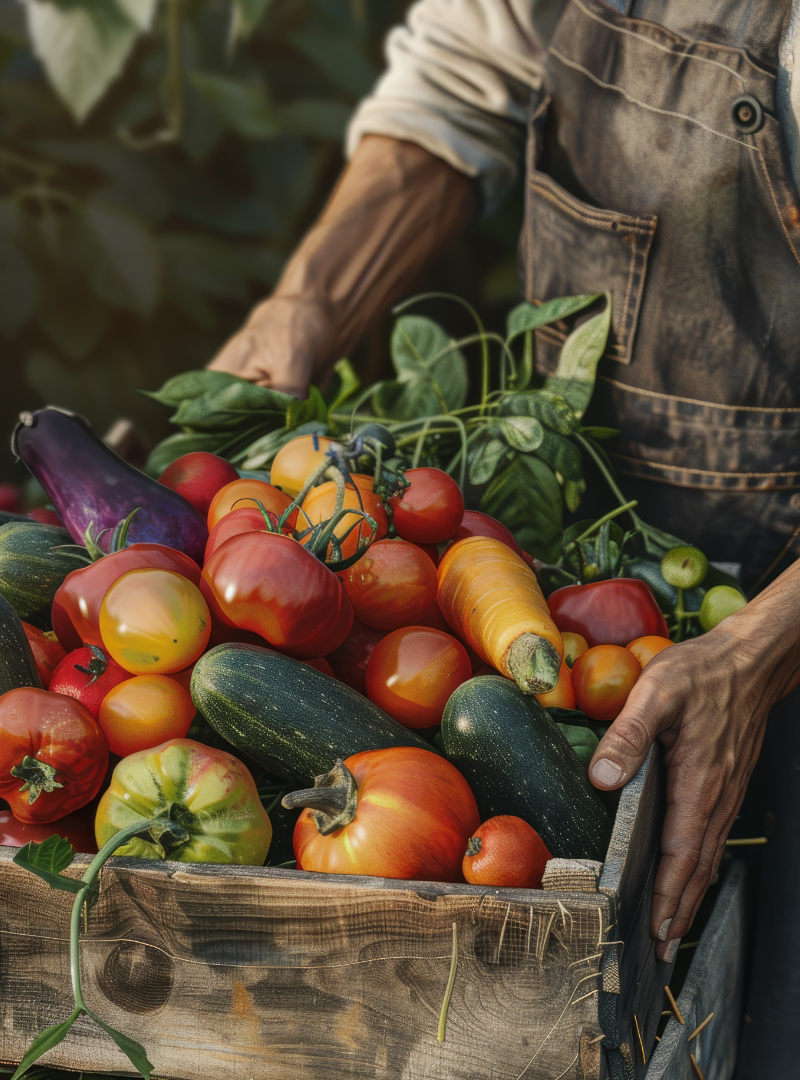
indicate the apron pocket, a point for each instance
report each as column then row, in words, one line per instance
column 569, row 247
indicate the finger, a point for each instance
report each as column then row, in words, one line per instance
column 620, row 753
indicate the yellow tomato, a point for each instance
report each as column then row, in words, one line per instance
column 154, row 622
column 645, row 648
column 296, row 460
column 575, row 645
column 150, row 710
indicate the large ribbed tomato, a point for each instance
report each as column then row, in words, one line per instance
column 408, row 813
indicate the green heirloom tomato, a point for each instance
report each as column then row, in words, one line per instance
column 209, row 792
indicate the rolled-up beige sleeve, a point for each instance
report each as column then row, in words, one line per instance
column 461, row 78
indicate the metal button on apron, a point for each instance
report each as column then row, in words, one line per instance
column 748, row 114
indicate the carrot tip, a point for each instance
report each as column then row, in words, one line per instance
column 534, row 664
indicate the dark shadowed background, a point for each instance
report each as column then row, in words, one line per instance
column 158, row 161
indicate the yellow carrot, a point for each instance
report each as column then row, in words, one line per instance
column 491, row 598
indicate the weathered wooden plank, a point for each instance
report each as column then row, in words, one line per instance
column 714, row 984
column 253, row 972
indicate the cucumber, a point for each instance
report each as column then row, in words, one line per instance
column 287, row 716
column 17, row 665
column 34, row 560
column 517, row 762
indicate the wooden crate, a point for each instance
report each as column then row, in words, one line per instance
column 232, row 973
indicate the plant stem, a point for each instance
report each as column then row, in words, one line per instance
column 601, row 521
column 680, row 614
column 586, row 444
column 449, row 989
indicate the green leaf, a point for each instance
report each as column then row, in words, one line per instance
column 245, row 17
column 191, row 384
column 523, row 433
column 305, row 412
column 45, row 1041
column 526, row 497
column 83, row 47
column 484, row 461
column 428, row 382
column 336, row 55
column 577, row 366
column 119, row 255
column 140, row 12
column 349, row 383
column 244, row 107
column 47, row 860
column 183, row 442
column 133, row 1050
column 318, row 118
column 561, row 455
column 239, row 404
column 527, row 316
column 549, row 409
column 573, row 492
column 600, row 432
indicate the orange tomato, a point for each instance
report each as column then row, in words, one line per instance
column 562, row 696
column 241, row 494
column 296, row 460
column 505, row 851
column 320, row 503
column 645, row 648
column 602, row 679
column 154, row 622
column 574, row 646
column 144, row 712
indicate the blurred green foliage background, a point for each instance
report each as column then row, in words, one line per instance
column 158, row 161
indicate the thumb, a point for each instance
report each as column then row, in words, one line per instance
column 624, row 746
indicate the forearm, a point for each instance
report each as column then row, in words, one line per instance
column 394, row 208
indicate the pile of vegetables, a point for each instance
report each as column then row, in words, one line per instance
column 336, row 660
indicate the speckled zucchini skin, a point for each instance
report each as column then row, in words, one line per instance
column 17, row 666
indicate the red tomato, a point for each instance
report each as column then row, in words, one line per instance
column 562, row 696
column 391, row 585
column 47, row 651
column 432, row 616
column 76, row 605
column 432, row 551
column 506, row 851
column 602, row 678
column 645, row 648
column 611, row 612
column 412, row 815
column 87, row 675
column 198, row 477
column 248, row 519
column 430, row 510
column 243, row 493
column 145, row 712
column 10, row 498
column 269, row 584
column 45, row 516
column 78, row 828
column 320, row 503
column 53, row 755
column 474, row 523
column 412, row 673
column 349, row 661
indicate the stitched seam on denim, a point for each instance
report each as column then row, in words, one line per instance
column 640, row 257
column 644, row 105
column 678, row 38
column 697, row 401
column 775, row 201
column 599, row 219
column 702, row 472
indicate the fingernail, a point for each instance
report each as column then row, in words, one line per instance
column 607, row 772
column 671, row 950
column 663, row 930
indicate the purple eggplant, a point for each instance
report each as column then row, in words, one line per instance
column 90, row 485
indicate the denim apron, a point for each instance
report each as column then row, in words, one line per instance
column 656, row 172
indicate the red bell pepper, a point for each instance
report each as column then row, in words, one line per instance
column 612, row 612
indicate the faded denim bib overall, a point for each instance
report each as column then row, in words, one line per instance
column 657, row 172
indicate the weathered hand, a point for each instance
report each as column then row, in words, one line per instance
column 707, row 700
column 284, row 343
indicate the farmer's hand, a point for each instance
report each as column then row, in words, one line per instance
column 707, row 700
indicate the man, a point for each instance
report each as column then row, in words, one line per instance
column 663, row 155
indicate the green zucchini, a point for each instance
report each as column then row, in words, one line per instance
column 17, row 666
column 516, row 761
column 34, row 560
column 287, row 716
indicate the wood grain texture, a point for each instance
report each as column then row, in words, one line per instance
column 714, row 983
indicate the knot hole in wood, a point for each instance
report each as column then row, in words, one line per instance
column 136, row 978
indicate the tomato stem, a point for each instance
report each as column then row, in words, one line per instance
column 38, row 776
column 334, row 796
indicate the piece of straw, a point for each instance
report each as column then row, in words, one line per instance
column 696, row 1067
column 697, row 1030
column 641, row 1044
column 748, row 842
column 676, row 1011
column 449, row 990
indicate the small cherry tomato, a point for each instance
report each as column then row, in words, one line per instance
column 154, row 622
column 87, row 675
column 198, row 477
column 602, row 679
column 391, row 585
column 320, row 503
column 296, row 460
column 349, row 661
column 474, row 523
column 47, row 651
column 574, row 646
column 145, row 712
column 78, row 828
column 562, row 696
column 45, row 516
column 246, row 493
column 645, row 648
column 505, row 851
column 413, row 672
column 430, row 510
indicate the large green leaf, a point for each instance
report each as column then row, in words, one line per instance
column 47, row 860
column 245, row 17
column 523, row 433
column 45, row 1041
column 239, row 405
column 133, row 1050
column 577, row 366
column 484, row 460
column 561, row 455
column 338, row 56
column 549, row 409
column 192, row 384
column 431, row 375
column 83, row 47
column 526, row 497
column 527, row 316
column 244, row 107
